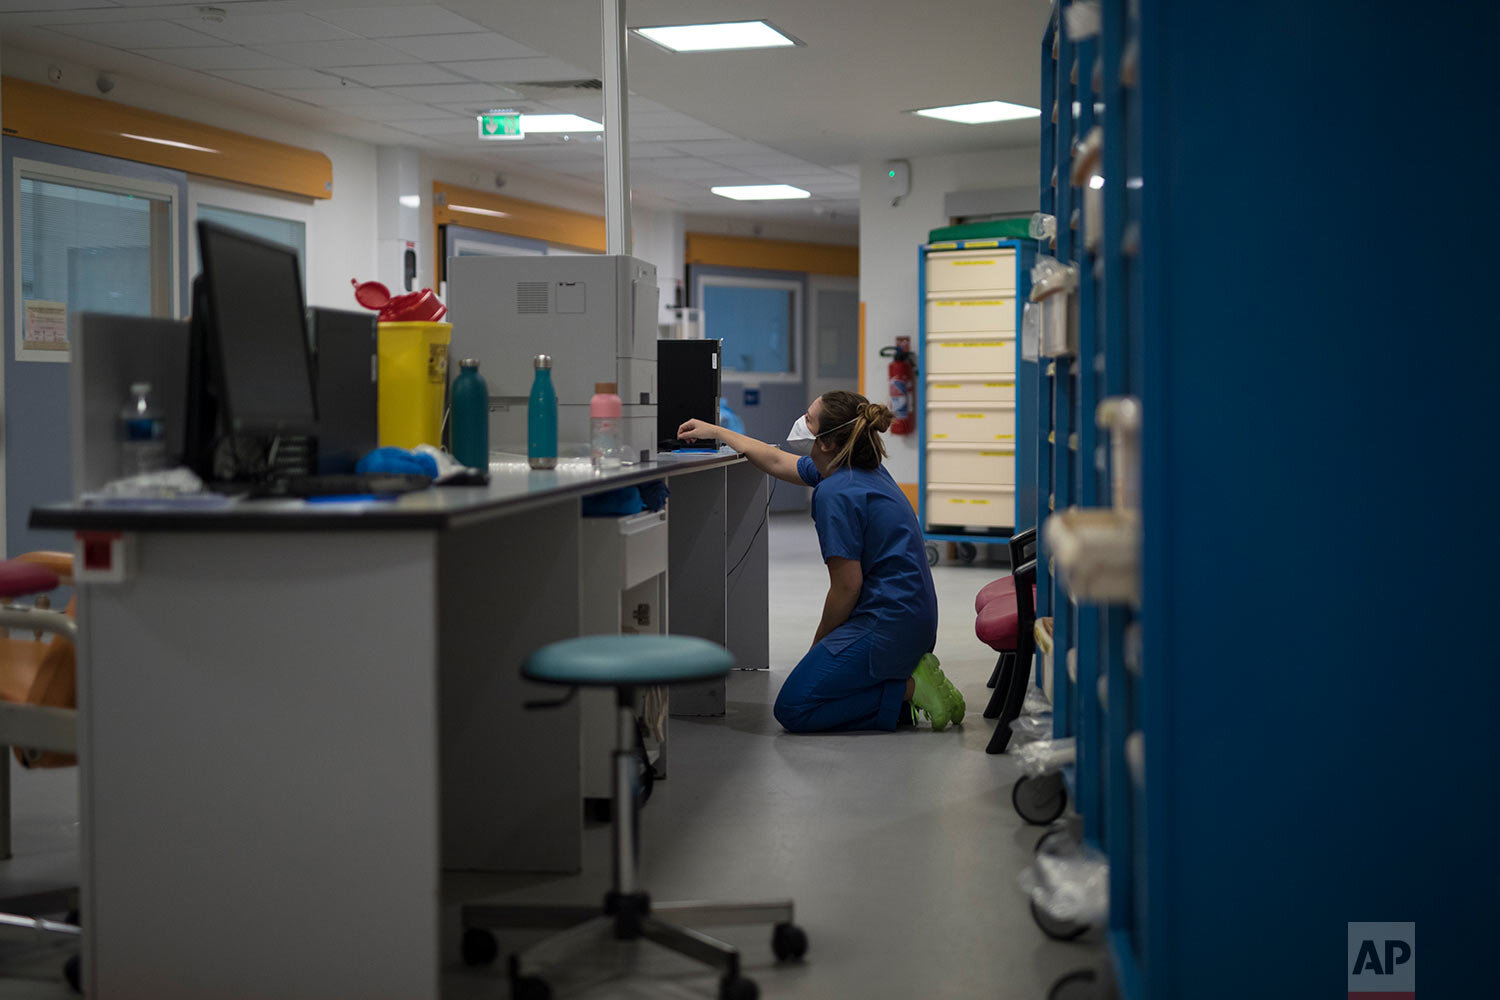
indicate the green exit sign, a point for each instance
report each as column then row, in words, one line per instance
column 500, row 125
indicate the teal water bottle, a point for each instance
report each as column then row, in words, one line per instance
column 471, row 416
column 541, row 417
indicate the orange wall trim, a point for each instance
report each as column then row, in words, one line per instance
column 62, row 118
column 514, row 217
column 910, row 489
column 714, row 250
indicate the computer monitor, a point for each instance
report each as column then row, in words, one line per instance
column 257, row 325
column 345, row 350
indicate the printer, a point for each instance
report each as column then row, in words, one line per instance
column 595, row 314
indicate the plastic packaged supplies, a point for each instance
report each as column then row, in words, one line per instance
column 1029, row 729
column 1068, row 881
column 1046, row 756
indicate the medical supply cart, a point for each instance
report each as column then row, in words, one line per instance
column 1279, row 717
column 968, row 399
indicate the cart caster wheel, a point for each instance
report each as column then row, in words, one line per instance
column 73, row 973
column 1049, row 837
column 967, row 553
column 1039, row 800
column 479, row 946
column 1057, row 930
column 789, row 942
column 932, row 554
column 530, row 988
column 738, row 988
column 1080, row 985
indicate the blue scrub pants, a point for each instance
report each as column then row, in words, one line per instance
column 852, row 679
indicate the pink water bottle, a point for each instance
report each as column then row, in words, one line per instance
column 605, row 413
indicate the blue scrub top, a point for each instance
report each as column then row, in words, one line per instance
column 862, row 514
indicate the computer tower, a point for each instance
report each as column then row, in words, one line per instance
column 688, row 387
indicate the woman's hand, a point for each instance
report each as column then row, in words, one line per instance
column 698, row 430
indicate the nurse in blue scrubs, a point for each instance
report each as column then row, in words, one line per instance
column 871, row 664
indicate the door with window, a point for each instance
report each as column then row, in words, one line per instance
column 88, row 234
column 833, row 336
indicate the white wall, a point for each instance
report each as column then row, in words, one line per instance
column 888, row 240
column 845, row 233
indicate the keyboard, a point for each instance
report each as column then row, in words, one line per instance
column 378, row 484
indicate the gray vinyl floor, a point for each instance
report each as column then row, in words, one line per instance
column 901, row 850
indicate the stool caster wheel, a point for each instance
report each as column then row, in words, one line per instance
column 789, row 942
column 733, row 988
column 1039, row 800
column 530, row 988
column 967, row 553
column 932, row 554
column 1081, row 985
column 1057, row 930
column 73, row 973
column 479, row 946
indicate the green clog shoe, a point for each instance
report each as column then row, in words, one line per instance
column 956, row 705
column 929, row 692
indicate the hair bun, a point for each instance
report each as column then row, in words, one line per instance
column 878, row 416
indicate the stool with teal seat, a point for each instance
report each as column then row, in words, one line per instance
column 625, row 663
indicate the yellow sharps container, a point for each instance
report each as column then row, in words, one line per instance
column 413, row 379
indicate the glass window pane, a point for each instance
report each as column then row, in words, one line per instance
column 838, row 333
column 99, row 251
column 284, row 231
column 757, row 325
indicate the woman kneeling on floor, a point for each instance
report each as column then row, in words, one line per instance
column 871, row 664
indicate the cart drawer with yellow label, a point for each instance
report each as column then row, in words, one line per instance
column 969, row 354
column 971, row 389
column 982, row 315
column 971, row 271
column 971, row 506
column 982, row 464
column 971, row 422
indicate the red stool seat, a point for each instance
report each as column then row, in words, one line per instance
column 998, row 625
column 1003, row 587
column 18, row 579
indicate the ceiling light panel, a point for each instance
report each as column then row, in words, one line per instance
column 558, row 123
column 136, row 34
column 337, row 52
column 268, row 29
column 761, row 192
column 980, row 112
column 720, row 37
column 394, row 22
column 458, row 48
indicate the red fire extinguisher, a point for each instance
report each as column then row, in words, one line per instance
column 903, row 375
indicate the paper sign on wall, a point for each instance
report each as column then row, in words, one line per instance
column 46, row 326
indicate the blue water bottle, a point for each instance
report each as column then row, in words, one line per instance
column 541, row 417
column 471, row 417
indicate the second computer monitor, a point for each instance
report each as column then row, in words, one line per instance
column 257, row 317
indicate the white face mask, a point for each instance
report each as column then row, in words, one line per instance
column 799, row 440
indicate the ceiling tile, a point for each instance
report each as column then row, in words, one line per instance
column 517, row 70
column 389, row 22
column 337, row 97
column 454, row 48
column 404, row 74
column 472, row 108
column 268, row 29
column 336, row 52
column 675, row 134
column 46, row 6
column 652, row 151
column 136, row 34
column 278, row 79
column 481, row 92
column 392, row 111
column 218, row 57
column 438, row 124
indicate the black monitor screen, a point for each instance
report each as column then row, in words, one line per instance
column 256, row 311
